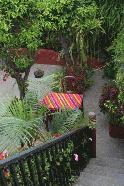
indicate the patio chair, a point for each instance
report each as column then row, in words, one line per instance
column 69, row 84
column 74, row 80
column 72, row 84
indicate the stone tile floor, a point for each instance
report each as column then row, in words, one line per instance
column 107, row 169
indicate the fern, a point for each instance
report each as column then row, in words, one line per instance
column 19, row 125
column 37, row 85
column 66, row 120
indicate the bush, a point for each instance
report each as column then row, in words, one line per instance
column 21, row 123
column 111, row 105
column 110, row 70
column 56, row 83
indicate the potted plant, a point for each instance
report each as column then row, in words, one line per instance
column 114, row 108
column 38, row 73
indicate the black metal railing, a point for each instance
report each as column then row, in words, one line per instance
column 57, row 162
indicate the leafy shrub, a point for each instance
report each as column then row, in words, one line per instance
column 111, row 104
column 110, row 70
column 118, row 48
column 56, row 83
column 21, row 123
column 66, row 120
column 89, row 75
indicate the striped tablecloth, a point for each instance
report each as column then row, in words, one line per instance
column 56, row 101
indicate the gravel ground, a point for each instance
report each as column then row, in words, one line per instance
column 9, row 87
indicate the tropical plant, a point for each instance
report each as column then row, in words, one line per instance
column 110, row 70
column 112, row 13
column 20, row 124
column 65, row 120
column 41, row 86
column 56, row 82
column 118, row 56
column 69, row 21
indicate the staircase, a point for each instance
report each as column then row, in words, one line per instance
column 107, row 169
column 103, row 172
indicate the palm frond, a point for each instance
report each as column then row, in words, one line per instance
column 37, row 85
column 20, row 125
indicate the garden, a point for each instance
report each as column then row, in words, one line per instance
column 46, row 138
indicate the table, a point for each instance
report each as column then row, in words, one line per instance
column 55, row 101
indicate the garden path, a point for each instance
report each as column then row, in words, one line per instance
column 107, row 169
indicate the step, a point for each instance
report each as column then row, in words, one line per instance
column 108, row 162
column 104, row 171
column 87, row 179
column 118, row 155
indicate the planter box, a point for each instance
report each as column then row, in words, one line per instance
column 116, row 131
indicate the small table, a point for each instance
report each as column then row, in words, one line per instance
column 55, row 101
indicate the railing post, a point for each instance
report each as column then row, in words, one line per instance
column 92, row 121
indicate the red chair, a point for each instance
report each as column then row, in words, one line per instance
column 69, row 83
column 74, row 80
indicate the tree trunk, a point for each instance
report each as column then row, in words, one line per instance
column 21, row 81
column 66, row 50
column 21, row 86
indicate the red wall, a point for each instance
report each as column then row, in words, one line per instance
column 45, row 56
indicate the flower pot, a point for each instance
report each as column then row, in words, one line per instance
column 39, row 73
column 116, row 131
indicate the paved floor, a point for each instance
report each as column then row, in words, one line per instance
column 107, row 169
column 106, row 146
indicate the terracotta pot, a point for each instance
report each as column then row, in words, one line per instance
column 39, row 73
column 116, row 131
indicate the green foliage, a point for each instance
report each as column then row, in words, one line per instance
column 31, row 98
column 71, row 19
column 20, row 123
column 89, row 74
column 29, row 24
column 19, row 24
column 111, row 104
column 41, row 86
column 118, row 56
column 56, row 82
column 20, row 37
column 111, row 14
column 66, row 120
column 22, row 62
column 110, row 70
column 112, row 100
column 85, row 21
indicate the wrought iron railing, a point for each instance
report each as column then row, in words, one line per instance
column 54, row 163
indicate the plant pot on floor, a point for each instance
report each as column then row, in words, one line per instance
column 38, row 73
column 116, row 131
